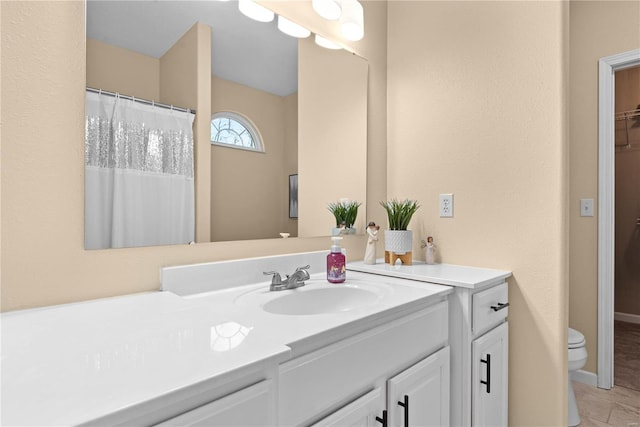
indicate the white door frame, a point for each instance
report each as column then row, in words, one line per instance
column 606, row 208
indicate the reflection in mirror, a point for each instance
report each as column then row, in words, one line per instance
column 139, row 187
column 254, row 75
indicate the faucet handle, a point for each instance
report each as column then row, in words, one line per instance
column 304, row 270
column 276, row 279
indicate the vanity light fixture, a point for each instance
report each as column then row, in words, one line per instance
column 292, row 29
column 352, row 20
column 255, row 11
column 328, row 44
column 328, row 9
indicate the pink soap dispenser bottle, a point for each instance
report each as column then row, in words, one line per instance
column 336, row 263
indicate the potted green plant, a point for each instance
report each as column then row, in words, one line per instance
column 345, row 213
column 397, row 239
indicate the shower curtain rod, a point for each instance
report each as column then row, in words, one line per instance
column 140, row 100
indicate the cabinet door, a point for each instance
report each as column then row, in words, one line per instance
column 252, row 406
column 489, row 394
column 362, row 412
column 419, row 396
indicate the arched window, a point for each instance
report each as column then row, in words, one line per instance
column 234, row 130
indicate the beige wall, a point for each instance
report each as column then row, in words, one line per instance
column 627, row 198
column 249, row 190
column 332, row 135
column 106, row 70
column 598, row 29
column 373, row 47
column 476, row 107
column 43, row 260
column 185, row 79
column 291, row 144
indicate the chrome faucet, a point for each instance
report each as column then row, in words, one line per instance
column 290, row 282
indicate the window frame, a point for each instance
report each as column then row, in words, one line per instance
column 247, row 124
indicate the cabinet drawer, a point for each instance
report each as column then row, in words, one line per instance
column 489, row 307
column 325, row 379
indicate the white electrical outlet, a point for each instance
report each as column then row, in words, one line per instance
column 446, row 205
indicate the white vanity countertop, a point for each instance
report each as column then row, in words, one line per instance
column 304, row 333
column 444, row 274
column 74, row 363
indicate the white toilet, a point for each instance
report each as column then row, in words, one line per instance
column 577, row 359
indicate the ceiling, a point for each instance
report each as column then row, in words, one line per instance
column 245, row 51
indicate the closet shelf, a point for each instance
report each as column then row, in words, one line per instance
column 627, row 129
column 631, row 114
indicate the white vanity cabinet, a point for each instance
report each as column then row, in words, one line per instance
column 407, row 356
column 251, row 406
column 489, row 377
column 219, row 356
column 479, row 347
column 478, row 336
column 418, row 396
column 365, row 411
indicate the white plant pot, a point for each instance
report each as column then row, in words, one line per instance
column 398, row 241
column 336, row 231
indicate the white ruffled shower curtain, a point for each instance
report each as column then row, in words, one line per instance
column 139, row 187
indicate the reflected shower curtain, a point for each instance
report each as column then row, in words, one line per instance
column 139, row 187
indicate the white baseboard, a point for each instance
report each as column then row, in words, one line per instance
column 625, row 317
column 585, row 377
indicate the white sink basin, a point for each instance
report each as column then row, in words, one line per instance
column 316, row 298
column 321, row 300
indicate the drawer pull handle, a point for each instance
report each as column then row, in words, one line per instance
column 383, row 420
column 488, row 381
column 405, row 405
column 499, row 307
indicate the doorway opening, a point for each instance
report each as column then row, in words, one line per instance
column 606, row 209
column 626, row 358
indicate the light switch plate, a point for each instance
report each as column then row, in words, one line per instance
column 586, row 207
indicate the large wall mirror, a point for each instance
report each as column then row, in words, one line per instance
column 307, row 104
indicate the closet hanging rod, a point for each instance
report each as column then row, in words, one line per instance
column 141, row 100
column 628, row 114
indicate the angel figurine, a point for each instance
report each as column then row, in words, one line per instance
column 370, row 251
column 430, row 251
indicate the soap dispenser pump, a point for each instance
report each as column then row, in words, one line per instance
column 336, row 263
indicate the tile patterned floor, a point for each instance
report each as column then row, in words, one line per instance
column 626, row 363
column 620, row 406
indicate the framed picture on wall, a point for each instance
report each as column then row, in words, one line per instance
column 293, row 196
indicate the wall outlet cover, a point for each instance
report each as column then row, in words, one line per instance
column 446, row 205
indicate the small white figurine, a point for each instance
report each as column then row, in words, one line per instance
column 370, row 251
column 430, row 251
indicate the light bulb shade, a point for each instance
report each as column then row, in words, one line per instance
column 328, row 44
column 352, row 20
column 255, row 11
column 328, row 9
column 292, row 29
